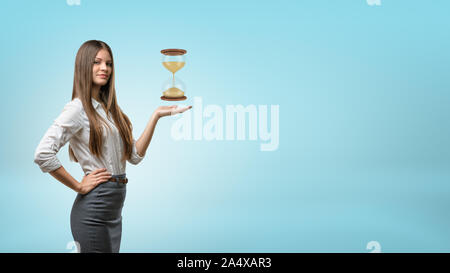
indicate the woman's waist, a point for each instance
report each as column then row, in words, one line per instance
column 114, row 169
column 115, row 178
column 108, row 171
column 116, row 181
column 120, row 176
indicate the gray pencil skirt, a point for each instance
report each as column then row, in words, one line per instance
column 96, row 218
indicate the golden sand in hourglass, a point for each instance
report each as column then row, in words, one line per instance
column 173, row 60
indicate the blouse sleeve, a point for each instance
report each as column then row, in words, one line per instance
column 135, row 157
column 60, row 132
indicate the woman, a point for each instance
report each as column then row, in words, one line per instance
column 100, row 139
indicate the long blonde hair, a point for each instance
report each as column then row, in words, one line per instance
column 82, row 89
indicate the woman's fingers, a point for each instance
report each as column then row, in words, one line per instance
column 171, row 110
column 101, row 176
column 106, row 176
column 180, row 110
column 102, row 179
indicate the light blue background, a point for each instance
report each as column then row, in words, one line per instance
column 364, row 108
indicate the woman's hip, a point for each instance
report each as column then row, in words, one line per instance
column 104, row 202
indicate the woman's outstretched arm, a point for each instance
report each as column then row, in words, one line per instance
column 162, row 111
column 144, row 140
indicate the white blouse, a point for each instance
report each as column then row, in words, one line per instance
column 73, row 125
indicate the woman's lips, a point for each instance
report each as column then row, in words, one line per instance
column 103, row 76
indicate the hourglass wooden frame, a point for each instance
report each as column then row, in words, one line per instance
column 173, row 60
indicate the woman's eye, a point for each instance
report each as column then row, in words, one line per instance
column 97, row 62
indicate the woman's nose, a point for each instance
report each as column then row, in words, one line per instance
column 103, row 66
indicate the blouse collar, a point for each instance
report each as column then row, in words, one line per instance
column 95, row 103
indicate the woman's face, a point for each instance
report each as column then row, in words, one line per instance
column 102, row 68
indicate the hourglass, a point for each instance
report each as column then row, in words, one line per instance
column 173, row 60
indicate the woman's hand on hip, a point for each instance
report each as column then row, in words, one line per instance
column 163, row 111
column 93, row 179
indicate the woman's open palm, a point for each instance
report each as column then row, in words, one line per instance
column 163, row 111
